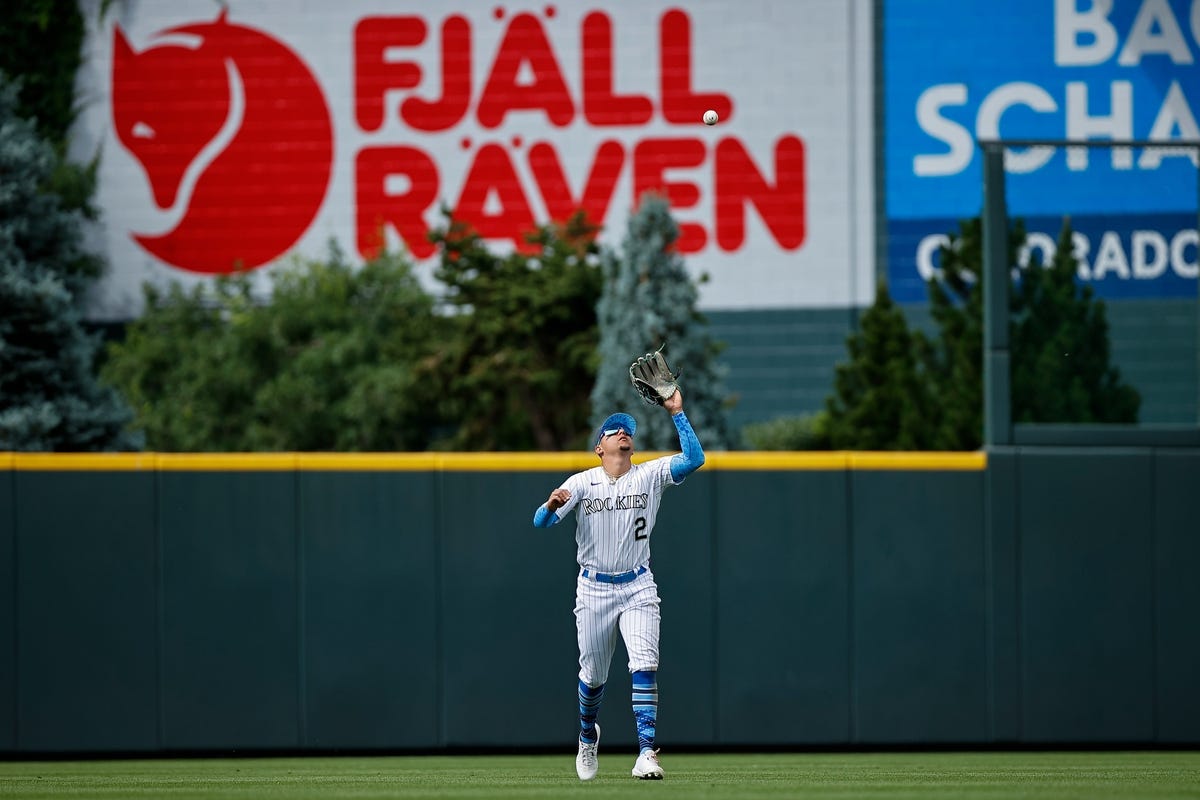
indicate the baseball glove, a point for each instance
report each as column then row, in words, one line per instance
column 652, row 377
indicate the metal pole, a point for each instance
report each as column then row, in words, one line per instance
column 997, row 403
column 997, row 399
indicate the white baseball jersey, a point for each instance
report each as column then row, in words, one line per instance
column 614, row 517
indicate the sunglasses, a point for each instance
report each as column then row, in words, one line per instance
column 615, row 431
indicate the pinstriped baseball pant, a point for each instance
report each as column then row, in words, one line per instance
column 604, row 609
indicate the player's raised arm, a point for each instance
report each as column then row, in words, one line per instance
column 692, row 457
column 658, row 384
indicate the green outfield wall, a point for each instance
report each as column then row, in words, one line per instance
column 157, row 603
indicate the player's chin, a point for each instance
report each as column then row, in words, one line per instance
column 625, row 448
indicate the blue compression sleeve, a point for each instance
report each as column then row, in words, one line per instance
column 692, row 457
column 544, row 517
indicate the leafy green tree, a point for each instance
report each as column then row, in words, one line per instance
column 336, row 360
column 169, row 366
column 648, row 300
column 41, row 46
column 49, row 397
column 41, row 41
column 805, row 432
column 881, row 397
column 519, row 365
column 1062, row 369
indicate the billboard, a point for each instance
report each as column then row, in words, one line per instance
column 238, row 138
column 956, row 73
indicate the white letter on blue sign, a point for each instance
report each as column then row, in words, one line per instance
column 1117, row 125
column 1142, row 38
column 929, row 105
column 999, row 100
column 1069, row 22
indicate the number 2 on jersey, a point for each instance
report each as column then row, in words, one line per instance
column 638, row 528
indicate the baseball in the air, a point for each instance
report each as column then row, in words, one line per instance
column 710, row 117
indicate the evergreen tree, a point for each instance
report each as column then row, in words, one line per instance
column 648, row 300
column 49, row 396
column 1052, row 321
column 954, row 359
column 1061, row 351
column 519, row 366
column 881, row 397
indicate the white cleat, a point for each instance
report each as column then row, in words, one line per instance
column 586, row 763
column 647, row 767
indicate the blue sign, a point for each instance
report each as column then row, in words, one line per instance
column 959, row 72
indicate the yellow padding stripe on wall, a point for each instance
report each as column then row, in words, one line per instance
column 85, row 462
column 919, row 461
column 846, row 460
column 472, row 462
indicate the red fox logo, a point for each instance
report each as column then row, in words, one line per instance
column 234, row 136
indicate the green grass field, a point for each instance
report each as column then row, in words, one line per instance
column 1086, row 776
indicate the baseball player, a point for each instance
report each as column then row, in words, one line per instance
column 615, row 506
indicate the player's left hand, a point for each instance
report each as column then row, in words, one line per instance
column 674, row 403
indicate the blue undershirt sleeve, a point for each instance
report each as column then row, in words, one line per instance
column 692, row 457
column 544, row 517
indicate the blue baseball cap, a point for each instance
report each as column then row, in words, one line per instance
column 616, row 422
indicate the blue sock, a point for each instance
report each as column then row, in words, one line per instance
column 645, row 707
column 589, row 707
